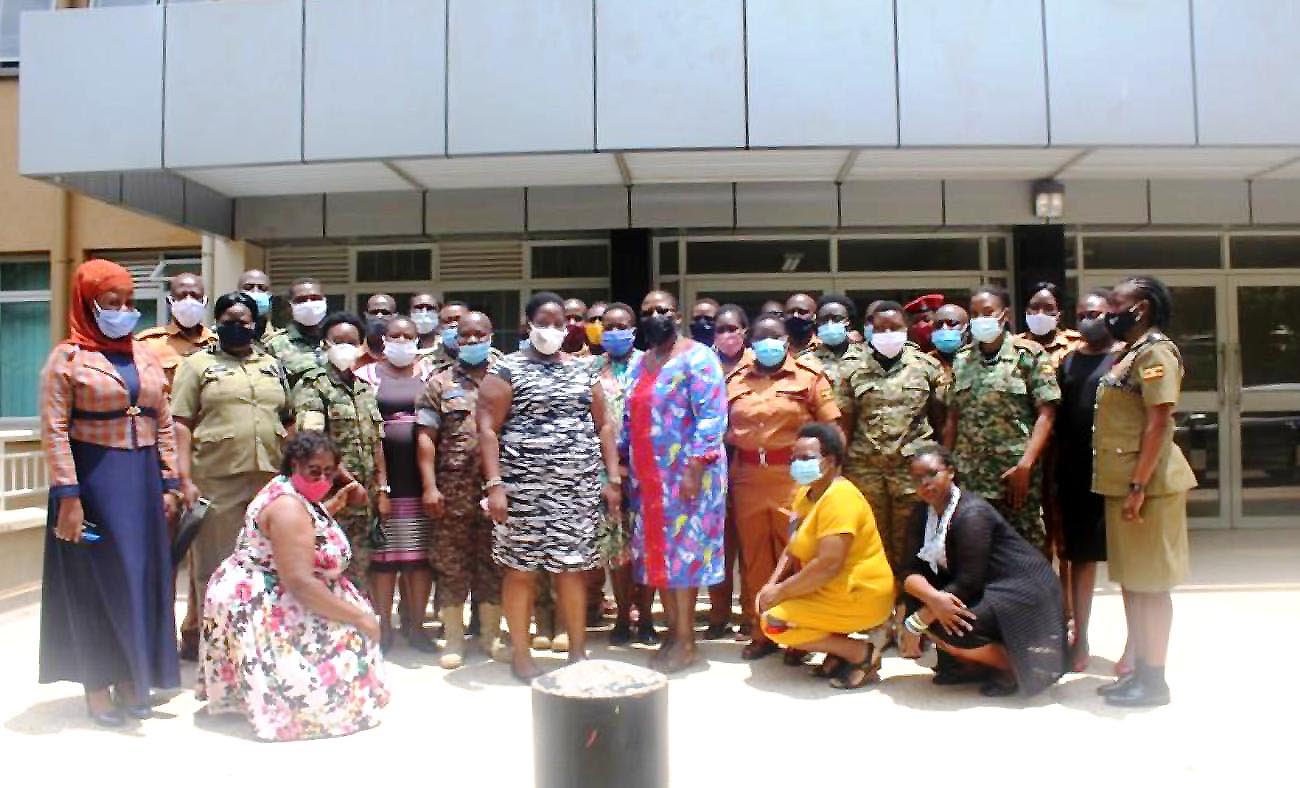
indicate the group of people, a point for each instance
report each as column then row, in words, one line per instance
column 906, row 479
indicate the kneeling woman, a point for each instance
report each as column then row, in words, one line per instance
column 833, row 577
column 984, row 594
column 288, row 639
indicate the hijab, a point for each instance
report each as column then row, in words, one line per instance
column 93, row 279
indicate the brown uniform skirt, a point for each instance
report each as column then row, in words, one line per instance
column 1148, row 555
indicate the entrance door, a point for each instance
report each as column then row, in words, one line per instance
column 1265, row 400
column 1203, row 424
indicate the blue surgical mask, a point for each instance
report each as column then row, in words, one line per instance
column 618, row 342
column 116, row 323
column 770, row 352
column 867, row 331
column 985, row 329
column 833, row 334
column 425, row 320
column 475, row 354
column 263, row 301
column 805, row 472
column 946, row 340
column 450, row 337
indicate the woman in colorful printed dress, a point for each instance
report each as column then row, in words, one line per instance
column 398, row 380
column 615, row 365
column 543, row 434
column 288, row 640
column 675, row 420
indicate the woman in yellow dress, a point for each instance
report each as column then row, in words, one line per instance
column 833, row 577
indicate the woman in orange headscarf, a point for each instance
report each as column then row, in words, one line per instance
column 106, row 607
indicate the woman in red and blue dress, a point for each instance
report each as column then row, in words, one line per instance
column 676, row 417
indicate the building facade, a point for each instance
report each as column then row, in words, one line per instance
column 730, row 148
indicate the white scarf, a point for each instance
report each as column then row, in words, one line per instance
column 934, row 551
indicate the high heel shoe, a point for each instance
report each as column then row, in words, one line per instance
column 124, row 701
column 111, row 718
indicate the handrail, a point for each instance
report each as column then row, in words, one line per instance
column 23, row 473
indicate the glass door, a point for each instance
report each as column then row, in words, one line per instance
column 1203, row 426
column 1264, row 399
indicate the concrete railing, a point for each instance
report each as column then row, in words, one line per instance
column 24, row 487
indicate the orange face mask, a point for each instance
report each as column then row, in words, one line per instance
column 595, row 333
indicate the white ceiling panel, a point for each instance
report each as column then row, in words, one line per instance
column 1291, row 169
column 960, row 163
column 1198, row 163
column 275, row 180
column 742, row 166
column 473, row 172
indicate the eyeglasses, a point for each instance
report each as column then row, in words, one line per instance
column 658, row 310
column 950, row 323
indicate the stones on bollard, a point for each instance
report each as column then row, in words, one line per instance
column 599, row 724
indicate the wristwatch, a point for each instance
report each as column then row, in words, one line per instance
column 1136, row 487
column 385, row 489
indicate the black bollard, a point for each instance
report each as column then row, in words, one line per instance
column 600, row 724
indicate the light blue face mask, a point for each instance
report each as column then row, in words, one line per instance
column 805, row 472
column 475, row 354
column 833, row 334
column 450, row 337
column 770, row 352
column 946, row 340
column 116, row 323
column 985, row 329
column 263, row 301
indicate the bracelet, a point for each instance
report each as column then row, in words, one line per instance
column 493, row 482
column 913, row 624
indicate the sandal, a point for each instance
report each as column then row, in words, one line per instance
column 831, row 666
column 718, row 631
column 757, row 649
column 868, row 671
column 795, row 657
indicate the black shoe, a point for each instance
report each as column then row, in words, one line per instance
column 646, row 635
column 953, row 676
column 1118, row 685
column 419, row 640
column 112, row 718
column 998, row 688
column 140, row 711
column 719, row 631
column 1140, row 693
column 621, row 634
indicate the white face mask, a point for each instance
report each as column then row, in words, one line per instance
column 400, row 352
column 343, row 356
column 888, row 343
column 985, row 329
column 1040, row 324
column 188, row 311
column 546, row 340
column 425, row 320
column 309, row 313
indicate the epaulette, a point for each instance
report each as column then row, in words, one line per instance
column 1027, row 344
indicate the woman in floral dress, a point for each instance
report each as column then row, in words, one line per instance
column 676, row 417
column 288, row 640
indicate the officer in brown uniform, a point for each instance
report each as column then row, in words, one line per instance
column 769, row 399
column 185, row 335
column 453, row 492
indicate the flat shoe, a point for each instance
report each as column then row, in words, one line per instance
column 1139, row 694
column 621, row 634
column 757, row 649
column 1118, row 685
column 647, row 635
column 794, row 657
column 998, row 689
column 718, row 631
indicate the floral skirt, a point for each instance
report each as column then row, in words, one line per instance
column 292, row 673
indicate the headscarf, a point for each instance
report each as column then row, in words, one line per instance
column 93, row 279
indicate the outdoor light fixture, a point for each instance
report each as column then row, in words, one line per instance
column 1049, row 199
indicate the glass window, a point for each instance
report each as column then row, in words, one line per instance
column 11, row 21
column 503, row 307
column 1194, row 329
column 24, row 344
column 1197, row 434
column 1269, row 322
column 908, row 254
column 1270, row 463
column 395, row 265
column 758, row 257
column 1264, row 251
column 34, row 275
column 1142, row 253
column 668, row 262
column 570, row 260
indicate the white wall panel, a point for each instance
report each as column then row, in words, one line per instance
column 682, row 205
column 1247, row 59
column 1275, row 202
column 1106, row 202
column 577, row 207
column 821, row 72
column 474, row 211
column 374, row 214
column 374, row 78
column 989, row 202
column 786, row 205
column 234, row 83
column 1120, row 72
column 268, row 218
column 971, row 72
column 520, row 76
column 670, row 74
column 884, row 203
column 81, row 111
column 1199, row 202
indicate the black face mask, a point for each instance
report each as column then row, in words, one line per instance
column 702, row 330
column 1119, row 324
column 235, row 335
column 657, row 329
column 798, row 327
column 1094, row 329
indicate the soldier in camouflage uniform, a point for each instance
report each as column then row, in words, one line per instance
column 332, row 400
column 453, row 489
column 890, row 400
column 1000, row 415
column 297, row 348
column 444, row 356
column 836, row 315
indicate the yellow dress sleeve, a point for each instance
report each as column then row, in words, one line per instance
column 840, row 512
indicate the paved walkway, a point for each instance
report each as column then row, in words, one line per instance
column 1236, row 636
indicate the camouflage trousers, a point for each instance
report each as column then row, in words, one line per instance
column 885, row 483
column 985, row 479
column 356, row 522
column 462, row 547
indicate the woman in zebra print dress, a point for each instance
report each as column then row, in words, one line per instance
column 543, row 434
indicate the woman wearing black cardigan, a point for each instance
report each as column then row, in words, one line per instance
column 977, row 588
